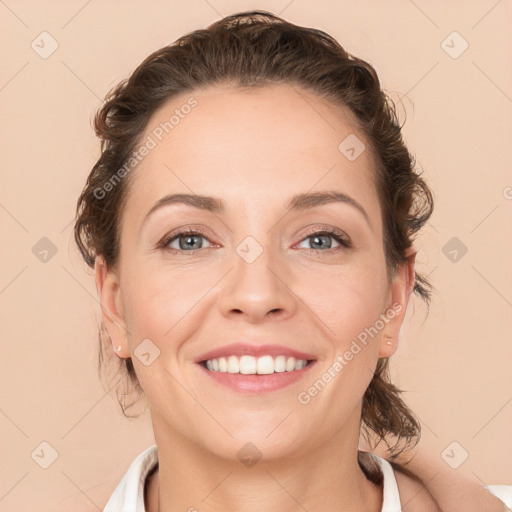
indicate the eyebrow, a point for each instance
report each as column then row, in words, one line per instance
column 299, row 202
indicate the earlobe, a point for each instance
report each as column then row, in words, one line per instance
column 388, row 345
column 109, row 292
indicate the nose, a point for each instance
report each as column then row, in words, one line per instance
column 259, row 290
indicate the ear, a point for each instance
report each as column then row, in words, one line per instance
column 401, row 289
column 109, row 292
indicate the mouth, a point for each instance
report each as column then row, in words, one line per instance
column 250, row 365
column 256, row 375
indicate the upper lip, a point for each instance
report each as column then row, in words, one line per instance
column 246, row 349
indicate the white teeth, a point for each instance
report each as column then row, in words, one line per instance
column 265, row 365
column 249, row 365
column 223, row 364
column 280, row 364
column 233, row 364
column 300, row 364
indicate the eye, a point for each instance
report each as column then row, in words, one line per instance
column 185, row 241
column 320, row 240
column 190, row 240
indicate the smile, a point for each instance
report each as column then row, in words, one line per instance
column 255, row 375
column 249, row 365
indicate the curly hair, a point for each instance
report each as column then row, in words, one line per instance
column 254, row 49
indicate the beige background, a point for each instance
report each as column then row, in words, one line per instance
column 455, row 363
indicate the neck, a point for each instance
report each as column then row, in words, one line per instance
column 189, row 478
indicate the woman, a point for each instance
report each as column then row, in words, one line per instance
column 251, row 222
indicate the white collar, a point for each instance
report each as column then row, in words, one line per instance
column 129, row 494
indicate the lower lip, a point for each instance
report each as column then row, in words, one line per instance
column 257, row 384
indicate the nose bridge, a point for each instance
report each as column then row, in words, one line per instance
column 256, row 285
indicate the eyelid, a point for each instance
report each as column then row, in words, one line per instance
column 179, row 232
column 344, row 240
column 341, row 237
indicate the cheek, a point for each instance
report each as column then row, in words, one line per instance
column 351, row 306
column 159, row 299
column 166, row 305
column 162, row 306
column 346, row 302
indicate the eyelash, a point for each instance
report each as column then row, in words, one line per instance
column 339, row 236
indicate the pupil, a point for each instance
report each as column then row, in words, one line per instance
column 319, row 237
column 188, row 240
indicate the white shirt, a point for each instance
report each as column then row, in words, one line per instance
column 129, row 494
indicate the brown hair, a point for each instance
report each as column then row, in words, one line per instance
column 253, row 49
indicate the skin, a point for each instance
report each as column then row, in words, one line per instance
column 254, row 149
column 426, row 483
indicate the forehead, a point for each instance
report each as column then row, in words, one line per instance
column 252, row 145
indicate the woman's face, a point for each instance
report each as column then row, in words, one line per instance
column 256, row 275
